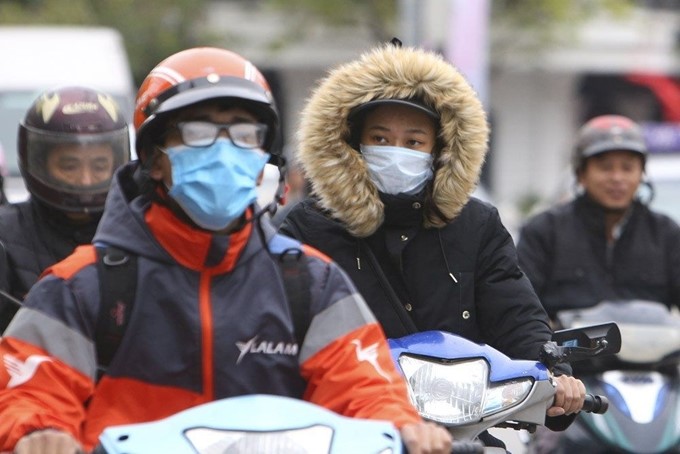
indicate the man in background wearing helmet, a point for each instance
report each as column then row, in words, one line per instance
column 211, row 318
column 393, row 145
column 606, row 244
column 70, row 142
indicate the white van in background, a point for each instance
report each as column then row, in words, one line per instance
column 37, row 58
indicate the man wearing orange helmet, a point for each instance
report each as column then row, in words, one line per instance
column 70, row 142
column 211, row 316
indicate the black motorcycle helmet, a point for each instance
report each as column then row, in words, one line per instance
column 84, row 123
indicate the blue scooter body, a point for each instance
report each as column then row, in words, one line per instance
column 253, row 423
column 451, row 347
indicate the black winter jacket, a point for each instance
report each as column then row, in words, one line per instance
column 565, row 255
column 33, row 237
column 448, row 262
column 490, row 300
column 447, row 257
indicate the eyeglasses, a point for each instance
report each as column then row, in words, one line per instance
column 204, row 133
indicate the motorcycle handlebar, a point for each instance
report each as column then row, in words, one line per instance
column 467, row 447
column 461, row 447
column 595, row 404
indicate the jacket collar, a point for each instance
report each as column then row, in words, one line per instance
column 593, row 215
column 194, row 248
column 403, row 210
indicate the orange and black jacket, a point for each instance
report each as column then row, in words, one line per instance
column 210, row 321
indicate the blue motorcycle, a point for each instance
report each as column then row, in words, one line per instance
column 467, row 387
column 470, row 387
column 253, row 424
column 258, row 424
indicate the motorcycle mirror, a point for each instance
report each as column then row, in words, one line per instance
column 587, row 341
column 581, row 343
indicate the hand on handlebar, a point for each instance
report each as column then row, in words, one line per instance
column 426, row 438
column 569, row 396
column 48, row 441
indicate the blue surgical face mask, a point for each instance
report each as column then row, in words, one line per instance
column 214, row 185
column 397, row 170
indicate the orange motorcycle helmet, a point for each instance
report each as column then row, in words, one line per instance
column 201, row 74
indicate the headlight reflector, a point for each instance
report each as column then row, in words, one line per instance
column 310, row 440
column 458, row 393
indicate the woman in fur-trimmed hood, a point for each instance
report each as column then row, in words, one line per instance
column 337, row 171
column 422, row 252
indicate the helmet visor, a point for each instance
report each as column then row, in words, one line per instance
column 78, row 165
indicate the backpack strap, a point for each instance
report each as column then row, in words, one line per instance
column 296, row 281
column 117, row 272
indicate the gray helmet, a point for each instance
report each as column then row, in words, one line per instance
column 608, row 133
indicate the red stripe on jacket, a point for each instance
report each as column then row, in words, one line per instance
column 119, row 399
column 81, row 257
column 26, row 401
column 189, row 246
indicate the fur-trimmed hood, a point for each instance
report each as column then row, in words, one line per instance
column 338, row 174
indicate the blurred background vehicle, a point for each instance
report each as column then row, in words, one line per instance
column 36, row 58
column 664, row 174
column 663, row 166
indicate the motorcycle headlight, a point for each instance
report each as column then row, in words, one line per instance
column 458, row 393
column 310, row 440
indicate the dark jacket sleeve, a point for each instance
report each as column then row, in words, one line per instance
column 511, row 315
column 535, row 251
column 673, row 256
column 289, row 222
column 7, row 307
column 523, row 326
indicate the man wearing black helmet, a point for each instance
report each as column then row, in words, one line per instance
column 606, row 244
column 70, row 142
column 211, row 318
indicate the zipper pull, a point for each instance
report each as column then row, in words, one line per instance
column 358, row 263
column 453, row 277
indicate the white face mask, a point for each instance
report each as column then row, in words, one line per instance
column 397, row 170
